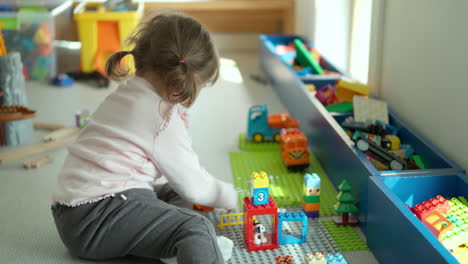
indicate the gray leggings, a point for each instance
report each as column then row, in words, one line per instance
column 137, row 223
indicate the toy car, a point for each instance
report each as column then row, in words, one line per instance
column 263, row 127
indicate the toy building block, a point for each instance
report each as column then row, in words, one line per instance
column 82, row 118
column 3, row 50
column 252, row 211
column 336, row 259
column 345, row 204
column 284, row 239
column 417, row 159
column 438, row 224
column 326, row 95
column 346, row 90
column 311, row 201
column 284, row 260
column 343, row 107
column 458, row 214
column 227, row 219
column 37, row 162
column 366, row 109
column 62, row 80
column 304, row 57
column 315, row 258
column 260, row 188
column 294, row 148
column 364, row 126
column 425, row 208
column 202, row 208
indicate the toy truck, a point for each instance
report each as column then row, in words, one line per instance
column 294, row 148
column 379, row 153
column 263, row 127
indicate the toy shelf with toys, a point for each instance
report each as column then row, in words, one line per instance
column 346, row 145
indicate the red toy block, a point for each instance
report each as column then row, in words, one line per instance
column 424, row 209
column 249, row 228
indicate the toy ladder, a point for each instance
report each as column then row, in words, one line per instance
column 229, row 219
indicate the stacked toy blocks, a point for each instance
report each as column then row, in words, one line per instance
column 284, row 260
column 285, row 239
column 260, row 188
column 311, row 203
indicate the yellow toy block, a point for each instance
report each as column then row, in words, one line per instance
column 345, row 90
column 260, row 180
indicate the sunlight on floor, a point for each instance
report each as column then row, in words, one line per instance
column 229, row 71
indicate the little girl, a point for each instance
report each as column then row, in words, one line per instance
column 106, row 204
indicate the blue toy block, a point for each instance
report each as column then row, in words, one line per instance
column 62, row 80
column 305, row 71
column 311, row 180
column 292, row 217
column 336, row 259
column 312, row 214
column 260, row 196
column 389, row 129
column 409, row 151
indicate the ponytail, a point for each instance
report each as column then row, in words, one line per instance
column 114, row 69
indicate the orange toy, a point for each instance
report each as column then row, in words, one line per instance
column 283, row 120
column 3, row 50
column 202, row 208
column 294, row 148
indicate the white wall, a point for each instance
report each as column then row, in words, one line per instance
column 424, row 70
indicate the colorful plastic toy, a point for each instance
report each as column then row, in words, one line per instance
column 315, row 258
column 286, row 239
column 336, row 259
column 260, row 188
column 62, row 80
column 326, row 95
column 294, row 148
column 345, row 204
column 387, row 158
column 311, row 187
column 227, row 219
column 3, row 50
column 346, row 90
column 252, row 211
column 284, row 260
column 263, row 127
column 305, row 58
column 82, row 118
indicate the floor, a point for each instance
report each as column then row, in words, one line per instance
column 27, row 233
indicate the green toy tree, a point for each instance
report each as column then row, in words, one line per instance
column 345, row 202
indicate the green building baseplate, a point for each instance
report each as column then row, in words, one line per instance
column 285, row 186
column 246, row 145
column 345, row 237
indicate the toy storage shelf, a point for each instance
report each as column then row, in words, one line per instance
column 395, row 234
column 328, row 141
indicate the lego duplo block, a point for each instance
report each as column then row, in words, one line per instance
column 312, row 198
column 260, row 180
column 345, row 90
column 312, row 214
column 260, row 196
column 309, row 207
column 284, row 260
column 336, row 259
column 284, row 239
column 252, row 211
column 424, row 209
column 315, row 258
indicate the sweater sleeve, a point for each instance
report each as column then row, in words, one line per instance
column 174, row 156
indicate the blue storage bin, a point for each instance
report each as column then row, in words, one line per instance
column 271, row 41
column 395, row 234
column 327, row 139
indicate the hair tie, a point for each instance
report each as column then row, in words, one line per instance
column 181, row 62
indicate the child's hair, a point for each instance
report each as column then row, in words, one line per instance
column 174, row 48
